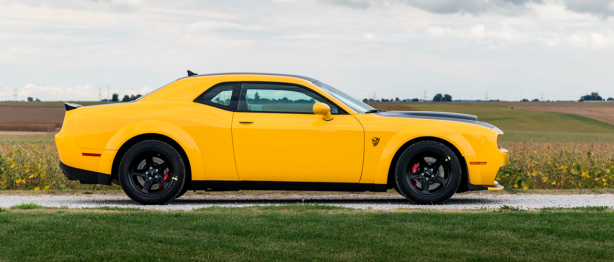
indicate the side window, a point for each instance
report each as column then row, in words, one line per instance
column 256, row 97
column 220, row 96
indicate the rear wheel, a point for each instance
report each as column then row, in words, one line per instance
column 152, row 172
column 428, row 172
column 183, row 191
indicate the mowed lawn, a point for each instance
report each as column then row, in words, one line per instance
column 297, row 233
column 518, row 125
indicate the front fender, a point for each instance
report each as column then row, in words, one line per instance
column 152, row 127
column 408, row 134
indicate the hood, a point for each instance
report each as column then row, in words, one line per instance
column 464, row 118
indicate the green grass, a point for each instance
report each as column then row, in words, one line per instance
column 521, row 126
column 585, row 208
column 292, row 234
column 28, row 138
column 27, row 206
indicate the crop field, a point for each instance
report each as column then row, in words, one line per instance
column 526, row 126
column 28, row 165
column 548, row 150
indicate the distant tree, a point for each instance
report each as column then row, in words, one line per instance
column 37, row 100
column 365, row 100
column 535, row 100
column 115, row 97
column 126, row 98
column 610, row 99
column 397, row 100
column 132, row 97
column 415, row 100
column 30, row 99
column 447, row 98
column 137, row 96
column 594, row 96
column 104, row 100
column 437, row 98
column 524, row 100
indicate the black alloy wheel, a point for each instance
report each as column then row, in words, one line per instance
column 428, row 172
column 152, row 172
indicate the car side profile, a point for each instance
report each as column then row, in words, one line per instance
column 252, row 131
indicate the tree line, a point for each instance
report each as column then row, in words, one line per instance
column 436, row 98
column 127, row 98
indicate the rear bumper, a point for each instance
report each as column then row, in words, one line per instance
column 85, row 176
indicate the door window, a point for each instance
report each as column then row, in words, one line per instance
column 279, row 98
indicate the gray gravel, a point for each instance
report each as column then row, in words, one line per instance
column 465, row 201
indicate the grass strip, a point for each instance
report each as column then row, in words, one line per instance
column 27, row 206
column 304, row 234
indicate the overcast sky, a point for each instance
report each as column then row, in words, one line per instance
column 510, row 49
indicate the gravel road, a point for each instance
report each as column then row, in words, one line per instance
column 465, row 201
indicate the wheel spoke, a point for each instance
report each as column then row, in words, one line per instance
column 422, row 163
column 161, row 181
column 435, row 165
column 146, row 187
column 425, row 186
column 162, row 166
column 149, row 161
column 139, row 174
column 440, row 180
column 414, row 175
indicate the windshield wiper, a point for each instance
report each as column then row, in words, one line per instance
column 374, row 111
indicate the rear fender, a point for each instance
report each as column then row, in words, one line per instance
column 153, row 127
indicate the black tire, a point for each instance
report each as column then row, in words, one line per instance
column 183, row 191
column 428, row 163
column 152, row 173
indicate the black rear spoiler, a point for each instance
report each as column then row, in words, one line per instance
column 71, row 106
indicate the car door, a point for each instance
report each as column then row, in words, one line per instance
column 277, row 137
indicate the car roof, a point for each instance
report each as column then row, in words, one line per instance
column 246, row 73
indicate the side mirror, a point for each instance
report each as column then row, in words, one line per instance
column 320, row 108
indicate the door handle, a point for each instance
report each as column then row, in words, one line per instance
column 246, row 121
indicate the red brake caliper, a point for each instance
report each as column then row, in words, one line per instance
column 414, row 169
column 166, row 177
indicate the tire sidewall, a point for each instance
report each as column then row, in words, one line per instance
column 177, row 171
column 454, row 169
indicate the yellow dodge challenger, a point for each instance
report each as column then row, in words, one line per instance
column 253, row 131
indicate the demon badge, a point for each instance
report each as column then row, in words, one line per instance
column 375, row 141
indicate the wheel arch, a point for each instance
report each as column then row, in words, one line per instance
column 151, row 136
column 464, row 177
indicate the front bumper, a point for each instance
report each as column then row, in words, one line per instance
column 85, row 176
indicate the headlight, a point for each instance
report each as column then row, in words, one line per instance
column 497, row 130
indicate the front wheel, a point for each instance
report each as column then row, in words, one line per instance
column 428, row 172
column 152, row 172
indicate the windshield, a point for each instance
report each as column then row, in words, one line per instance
column 356, row 105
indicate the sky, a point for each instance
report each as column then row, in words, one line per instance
column 470, row 49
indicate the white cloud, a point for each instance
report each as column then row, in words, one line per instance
column 397, row 47
column 594, row 40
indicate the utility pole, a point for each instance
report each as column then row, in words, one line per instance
column 15, row 94
column 424, row 98
column 108, row 97
column 487, row 97
column 542, row 96
column 99, row 94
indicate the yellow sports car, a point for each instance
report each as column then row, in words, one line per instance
column 252, row 131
